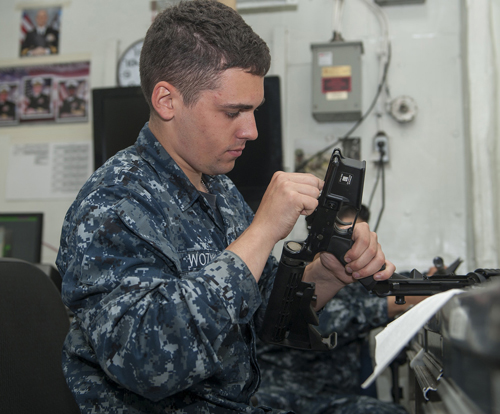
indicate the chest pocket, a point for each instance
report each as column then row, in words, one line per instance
column 194, row 260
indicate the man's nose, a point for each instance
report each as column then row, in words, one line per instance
column 249, row 128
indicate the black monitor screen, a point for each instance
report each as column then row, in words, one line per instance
column 120, row 113
column 21, row 236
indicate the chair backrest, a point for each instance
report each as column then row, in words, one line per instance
column 33, row 325
column 52, row 273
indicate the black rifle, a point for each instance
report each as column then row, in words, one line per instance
column 418, row 284
column 290, row 319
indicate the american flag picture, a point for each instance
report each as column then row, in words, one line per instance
column 26, row 25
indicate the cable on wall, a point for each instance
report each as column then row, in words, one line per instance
column 338, row 9
column 380, row 178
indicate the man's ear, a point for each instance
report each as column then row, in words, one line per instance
column 162, row 100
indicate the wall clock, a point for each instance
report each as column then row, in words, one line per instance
column 127, row 73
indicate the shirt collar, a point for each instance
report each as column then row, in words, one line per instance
column 171, row 175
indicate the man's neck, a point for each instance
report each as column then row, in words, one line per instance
column 161, row 131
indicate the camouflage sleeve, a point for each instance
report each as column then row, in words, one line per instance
column 266, row 280
column 266, row 285
column 352, row 313
column 152, row 331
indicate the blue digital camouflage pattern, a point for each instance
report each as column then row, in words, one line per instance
column 326, row 382
column 163, row 315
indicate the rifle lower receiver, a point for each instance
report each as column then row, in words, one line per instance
column 290, row 317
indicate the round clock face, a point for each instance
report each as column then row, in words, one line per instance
column 128, row 65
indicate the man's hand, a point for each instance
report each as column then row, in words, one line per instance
column 288, row 196
column 365, row 258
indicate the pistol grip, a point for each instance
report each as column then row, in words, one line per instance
column 369, row 282
column 339, row 246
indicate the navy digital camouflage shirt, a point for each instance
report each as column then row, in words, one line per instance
column 164, row 316
column 327, row 382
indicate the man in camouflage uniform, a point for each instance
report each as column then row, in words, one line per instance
column 164, row 265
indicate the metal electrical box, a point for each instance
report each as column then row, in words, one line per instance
column 336, row 81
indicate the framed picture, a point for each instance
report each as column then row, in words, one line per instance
column 40, row 31
column 37, row 98
column 72, row 100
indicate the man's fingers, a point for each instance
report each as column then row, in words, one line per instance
column 386, row 273
column 366, row 257
column 306, row 184
column 303, row 188
column 287, row 197
column 364, row 248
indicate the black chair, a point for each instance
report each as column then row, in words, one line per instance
column 33, row 324
column 52, row 273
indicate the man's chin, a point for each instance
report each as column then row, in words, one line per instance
column 227, row 168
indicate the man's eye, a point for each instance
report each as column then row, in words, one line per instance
column 232, row 114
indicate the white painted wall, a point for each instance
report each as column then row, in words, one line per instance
column 426, row 211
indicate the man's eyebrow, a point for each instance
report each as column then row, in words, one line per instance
column 243, row 107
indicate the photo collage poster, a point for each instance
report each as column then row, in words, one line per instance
column 44, row 93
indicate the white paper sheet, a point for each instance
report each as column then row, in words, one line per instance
column 48, row 170
column 396, row 335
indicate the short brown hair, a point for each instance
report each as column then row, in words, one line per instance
column 190, row 44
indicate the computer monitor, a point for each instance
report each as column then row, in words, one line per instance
column 21, row 236
column 120, row 113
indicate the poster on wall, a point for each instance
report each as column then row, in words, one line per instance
column 44, row 93
column 40, row 31
column 47, row 170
